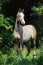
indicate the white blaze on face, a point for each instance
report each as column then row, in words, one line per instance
column 22, row 18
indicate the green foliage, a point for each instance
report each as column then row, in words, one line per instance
column 6, row 30
column 38, row 10
column 38, row 18
column 5, row 23
column 40, row 59
column 13, row 59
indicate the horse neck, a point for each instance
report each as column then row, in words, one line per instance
column 17, row 25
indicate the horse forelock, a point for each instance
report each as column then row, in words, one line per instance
column 20, row 14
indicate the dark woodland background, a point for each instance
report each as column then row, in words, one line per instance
column 33, row 10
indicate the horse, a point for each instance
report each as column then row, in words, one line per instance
column 23, row 33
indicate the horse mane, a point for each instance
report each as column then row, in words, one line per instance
column 16, row 26
column 16, row 31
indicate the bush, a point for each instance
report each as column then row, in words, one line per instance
column 6, row 30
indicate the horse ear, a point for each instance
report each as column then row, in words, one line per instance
column 19, row 10
column 22, row 10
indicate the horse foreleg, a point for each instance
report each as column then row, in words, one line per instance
column 20, row 47
column 17, row 46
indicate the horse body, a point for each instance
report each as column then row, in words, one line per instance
column 27, row 32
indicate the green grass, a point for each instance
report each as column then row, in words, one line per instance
column 12, row 58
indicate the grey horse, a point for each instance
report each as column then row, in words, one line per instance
column 23, row 33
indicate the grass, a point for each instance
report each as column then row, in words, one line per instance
column 12, row 58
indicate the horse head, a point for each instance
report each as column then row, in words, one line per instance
column 20, row 16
